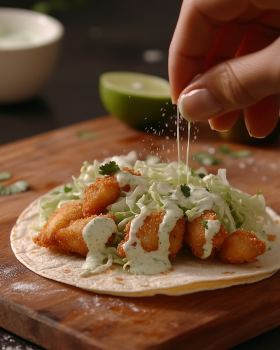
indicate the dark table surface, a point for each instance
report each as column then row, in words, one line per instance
column 100, row 36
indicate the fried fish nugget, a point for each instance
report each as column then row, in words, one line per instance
column 58, row 220
column 195, row 235
column 148, row 234
column 99, row 195
column 241, row 246
column 70, row 238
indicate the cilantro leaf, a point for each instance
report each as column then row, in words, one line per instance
column 200, row 175
column 205, row 159
column 186, row 190
column 67, row 189
column 5, row 175
column 204, row 223
column 109, row 168
column 238, row 154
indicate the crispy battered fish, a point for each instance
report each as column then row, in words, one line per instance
column 148, row 234
column 195, row 235
column 99, row 195
column 64, row 229
column 241, row 246
column 103, row 192
column 70, row 238
column 58, row 220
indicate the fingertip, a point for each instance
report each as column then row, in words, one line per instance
column 262, row 118
column 224, row 122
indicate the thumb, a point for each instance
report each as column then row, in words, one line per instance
column 235, row 84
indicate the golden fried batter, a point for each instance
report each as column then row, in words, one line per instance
column 131, row 171
column 66, row 234
column 99, row 195
column 195, row 235
column 148, row 234
column 58, row 220
column 241, row 246
column 70, row 238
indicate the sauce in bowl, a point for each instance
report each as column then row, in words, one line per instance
column 13, row 38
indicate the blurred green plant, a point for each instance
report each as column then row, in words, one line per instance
column 50, row 6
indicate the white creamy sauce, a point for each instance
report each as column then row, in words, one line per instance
column 12, row 37
column 188, row 119
column 188, row 150
column 178, row 135
column 125, row 178
column 150, row 263
column 200, row 200
column 96, row 234
column 140, row 261
column 164, row 189
column 213, row 228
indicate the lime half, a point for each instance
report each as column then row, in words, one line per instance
column 136, row 99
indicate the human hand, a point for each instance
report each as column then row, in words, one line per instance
column 235, row 44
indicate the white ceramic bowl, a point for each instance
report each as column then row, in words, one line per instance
column 29, row 46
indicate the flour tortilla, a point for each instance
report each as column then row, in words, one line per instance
column 188, row 274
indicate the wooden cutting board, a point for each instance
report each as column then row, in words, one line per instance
column 58, row 316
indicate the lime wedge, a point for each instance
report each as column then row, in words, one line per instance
column 136, row 99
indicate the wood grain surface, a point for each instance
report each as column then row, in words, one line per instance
column 58, row 316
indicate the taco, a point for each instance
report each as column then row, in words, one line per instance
column 137, row 228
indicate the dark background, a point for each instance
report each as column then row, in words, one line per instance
column 100, row 36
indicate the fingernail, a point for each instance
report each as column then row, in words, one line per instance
column 198, row 104
column 213, row 128
column 250, row 131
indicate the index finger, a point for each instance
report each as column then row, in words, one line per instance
column 198, row 26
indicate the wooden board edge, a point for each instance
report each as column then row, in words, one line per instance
column 41, row 330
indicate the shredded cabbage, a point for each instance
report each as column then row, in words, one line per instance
column 234, row 209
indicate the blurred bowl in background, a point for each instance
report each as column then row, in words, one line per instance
column 138, row 100
column 29, row 47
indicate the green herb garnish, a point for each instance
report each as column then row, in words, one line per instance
column 238, row 154
column 205, row 159
column 186, row 190
column 204, row 223
column 5, row 175
column 17, row 187
column 86, row 135
column 260, row 192
column 67, row 189
column 108, row 168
